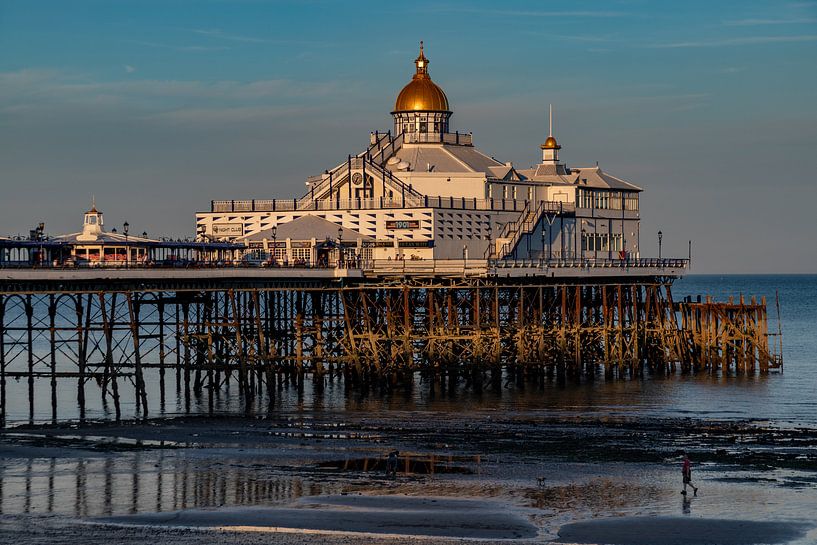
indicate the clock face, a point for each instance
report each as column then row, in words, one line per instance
column 357, row 178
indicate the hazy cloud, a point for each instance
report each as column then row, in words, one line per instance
column 129, row 69
column 749, row 40
column 528, row 13
column 31, row 87
column 217, row 33
column 761, row 22
column 183, row 48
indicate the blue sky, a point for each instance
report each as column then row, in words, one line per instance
column 157, row 107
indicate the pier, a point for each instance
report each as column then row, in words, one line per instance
column 195, row 333
column 420, row 255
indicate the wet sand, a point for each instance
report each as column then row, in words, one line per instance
column 389, row 516
column 320, row 478
column 679, row 531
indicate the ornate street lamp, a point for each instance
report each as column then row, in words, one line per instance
column 274, row 245
column 490, row 247
column 40, row 237
column 660, row 236
column 340, row 246
column 583, row 244
column 125, row 229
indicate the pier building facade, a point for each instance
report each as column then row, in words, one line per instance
column 420, row 256
column 97, row 247
column 423, row 191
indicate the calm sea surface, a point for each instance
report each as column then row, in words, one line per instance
column 783, row 399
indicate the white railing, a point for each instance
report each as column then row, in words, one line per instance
column 592, row 263
column 430, row 267
column 412, row 200
column 437, row 138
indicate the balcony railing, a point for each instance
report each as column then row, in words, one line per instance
column 592, row 263
column 411, row 201
column 437, row 138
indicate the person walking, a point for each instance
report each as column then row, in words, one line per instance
column 686, row 471
column 391, row 464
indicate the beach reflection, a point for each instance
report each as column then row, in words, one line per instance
column 143, row 482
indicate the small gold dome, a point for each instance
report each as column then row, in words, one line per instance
column 421, row 94
column 550, row 143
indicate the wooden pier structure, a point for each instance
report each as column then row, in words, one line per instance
column 191, row 337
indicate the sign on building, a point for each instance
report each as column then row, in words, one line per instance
column 228, row 229
column 403, row 224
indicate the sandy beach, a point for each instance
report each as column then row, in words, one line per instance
column 320, row 478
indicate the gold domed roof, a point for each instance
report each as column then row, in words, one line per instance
column 550, row 143
column 421, row 94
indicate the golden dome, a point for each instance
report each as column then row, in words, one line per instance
column 550, row 143
column 421, row 94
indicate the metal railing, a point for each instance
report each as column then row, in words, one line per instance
column 384, row 150
column 592, row 263
column 526, row 223
column 410, row 201
column 433, row 267
column 437, row 138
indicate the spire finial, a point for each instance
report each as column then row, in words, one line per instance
column 422, row 63
column 550, row 113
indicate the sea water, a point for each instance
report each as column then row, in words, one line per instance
column 782, row 399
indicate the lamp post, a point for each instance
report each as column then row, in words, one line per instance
column 274, row 245
column 340, row 246
column 490, row 248
column 40, row 230
column 660, row 236
column 583, row 244
column 550, row 245
column 125, row 229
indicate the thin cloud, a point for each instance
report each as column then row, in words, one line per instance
column 24, row 88
column 530, row 13
column 217, row 33
column 751, row 40
column 220, row 116
column 761, row 22
column 129, row 69
column 185, row 48
column 588, row 38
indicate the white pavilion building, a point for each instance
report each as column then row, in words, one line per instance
column 423, row 191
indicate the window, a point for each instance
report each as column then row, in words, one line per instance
column 302, row 254
column 530, row 193
column 504, row 191
column 514, row 192
column 601, row 242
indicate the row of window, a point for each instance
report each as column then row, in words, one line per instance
column 608, row 200
column 601, row 242
column 512, row 192
column 428, row 123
